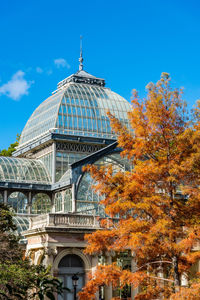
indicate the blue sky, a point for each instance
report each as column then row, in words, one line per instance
column 129, row 43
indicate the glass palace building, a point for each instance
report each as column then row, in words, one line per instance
column 44, row 183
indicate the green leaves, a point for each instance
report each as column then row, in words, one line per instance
column 11, row 148
column 19, row 280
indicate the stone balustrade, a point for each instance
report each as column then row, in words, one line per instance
column 64, row 220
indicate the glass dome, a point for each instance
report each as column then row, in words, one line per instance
column 23, row 170
column 77, row 109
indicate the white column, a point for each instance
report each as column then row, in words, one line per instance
column 29, row 203
column 53, row 203
column 63, row 204
column 50, row 252
column 94, row 265
column 134, row 291
column 73, row 198
column 160, row 274
column 108, row 289
column 5, row 196
column 54, row 163
column 184, row 279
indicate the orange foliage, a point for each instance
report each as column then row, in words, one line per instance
column 110, row 274
column 158, row 202
column 190, row 293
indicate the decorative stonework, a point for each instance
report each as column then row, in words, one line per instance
column 51, row 251
column 75, row 147
column 81, row 77
column 39, row 255
column 85, row 258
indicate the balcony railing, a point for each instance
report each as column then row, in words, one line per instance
column 64, row 220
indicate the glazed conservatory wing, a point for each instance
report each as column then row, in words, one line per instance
column 23, row 171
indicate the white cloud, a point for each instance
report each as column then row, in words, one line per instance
column 61, row 63
column 39, row 70
column 16, row 87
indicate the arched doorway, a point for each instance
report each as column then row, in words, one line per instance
column 68, row 266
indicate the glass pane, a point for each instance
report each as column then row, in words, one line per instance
column 58, row 202
column 41, row 204
column 18, row 202
column 23, row 170
column 87, row 199
column 63, row 110
column 68, row 201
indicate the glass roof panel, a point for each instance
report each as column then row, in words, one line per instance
column 22, row 223
column 42, row 119
column 78, row 109
column 66, row 177
column 86, row 114
column 23, row 170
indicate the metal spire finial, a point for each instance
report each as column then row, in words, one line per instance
column 81, row 55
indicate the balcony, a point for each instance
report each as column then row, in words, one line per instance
column 64, row 220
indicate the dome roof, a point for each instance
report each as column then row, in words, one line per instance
column 78, row 107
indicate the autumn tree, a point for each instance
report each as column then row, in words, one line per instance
column 157, row 203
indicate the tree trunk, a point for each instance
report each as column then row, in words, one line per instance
column 176, row 273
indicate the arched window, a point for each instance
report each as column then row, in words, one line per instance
column 41, row 204
column 58, row 202
column 63, row 201
column 68, row 201
column 19, row 202
column 87, row 201
column 71, row 261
